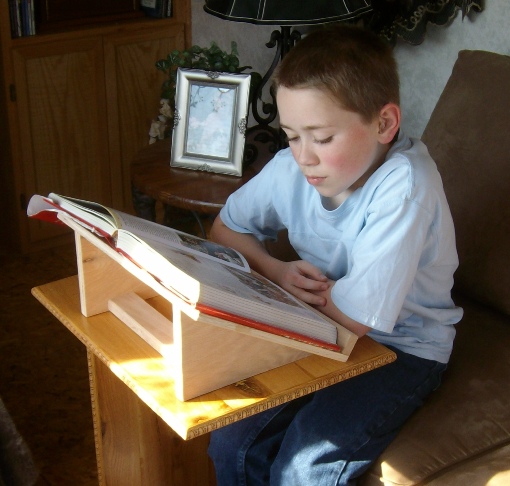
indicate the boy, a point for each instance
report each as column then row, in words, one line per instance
column 365, row 210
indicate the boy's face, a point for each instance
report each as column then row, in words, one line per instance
column 335, row 149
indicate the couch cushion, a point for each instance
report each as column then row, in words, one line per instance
column 491, row 469
column 468, row 136
column 466, row 417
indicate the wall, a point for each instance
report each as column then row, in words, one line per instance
column 424, row 69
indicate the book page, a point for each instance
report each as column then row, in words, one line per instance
column 51, row 209
column 244, row 294
column 87, row 213
column 155, row 233
column 108, row 222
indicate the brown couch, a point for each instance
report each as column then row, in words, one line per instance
column 461, row 436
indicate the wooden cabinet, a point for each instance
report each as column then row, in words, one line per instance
column 61, row 124
column 75, row 108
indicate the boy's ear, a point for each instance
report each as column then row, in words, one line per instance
column 389, row 122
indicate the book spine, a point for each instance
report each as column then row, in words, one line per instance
column 25, row 19
column 154, row 8
column 31, row 11
column 13, row 18
column 17, row 10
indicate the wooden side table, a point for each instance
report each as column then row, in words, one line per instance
column 153, row 180
column 139, row 420
column 139, row 423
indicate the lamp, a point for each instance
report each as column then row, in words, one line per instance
column 286, row 14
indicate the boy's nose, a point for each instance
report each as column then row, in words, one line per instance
column 306, row 156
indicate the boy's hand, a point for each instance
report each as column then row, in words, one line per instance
column 301, row 279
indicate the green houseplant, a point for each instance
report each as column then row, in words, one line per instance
column 211, row 58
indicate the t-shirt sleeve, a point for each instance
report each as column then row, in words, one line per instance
column 251, row 208
column 396, row 238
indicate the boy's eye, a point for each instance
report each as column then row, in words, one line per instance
column 324, row 140
column 295, row 138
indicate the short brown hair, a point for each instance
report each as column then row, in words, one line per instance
column 354, row 65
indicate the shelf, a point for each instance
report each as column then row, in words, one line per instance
column 134, row 25
column 83, row 18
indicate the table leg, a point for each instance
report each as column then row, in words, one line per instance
column 144, row 206
column 169, row 218
column 200, row 224
column 134, row 446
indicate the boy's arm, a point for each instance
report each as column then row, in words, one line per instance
column 300, row 278
column 332, row 311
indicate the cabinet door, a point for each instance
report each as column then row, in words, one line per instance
column 133, row 92
column 62, row 123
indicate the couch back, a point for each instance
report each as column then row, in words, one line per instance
column 468, row 135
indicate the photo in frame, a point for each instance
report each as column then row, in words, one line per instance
column 211, row 113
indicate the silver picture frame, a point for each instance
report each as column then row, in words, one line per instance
column 211, row 113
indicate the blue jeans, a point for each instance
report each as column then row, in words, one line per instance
column 330, row 437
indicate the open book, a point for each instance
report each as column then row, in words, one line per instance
column 215, row 279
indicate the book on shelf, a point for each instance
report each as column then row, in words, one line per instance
column 216, row 280
column 31, row 10
column 15, row 18
column 157, row 8
column 22, row 17
column 25, row 18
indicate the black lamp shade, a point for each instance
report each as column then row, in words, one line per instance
column 287, row 12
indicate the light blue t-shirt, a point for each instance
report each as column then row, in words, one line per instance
column 390, row 246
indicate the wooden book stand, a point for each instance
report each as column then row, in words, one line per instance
column 204, row 352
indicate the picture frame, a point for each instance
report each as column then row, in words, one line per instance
column 211, row 114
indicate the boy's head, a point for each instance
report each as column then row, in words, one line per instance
column 352, row 65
